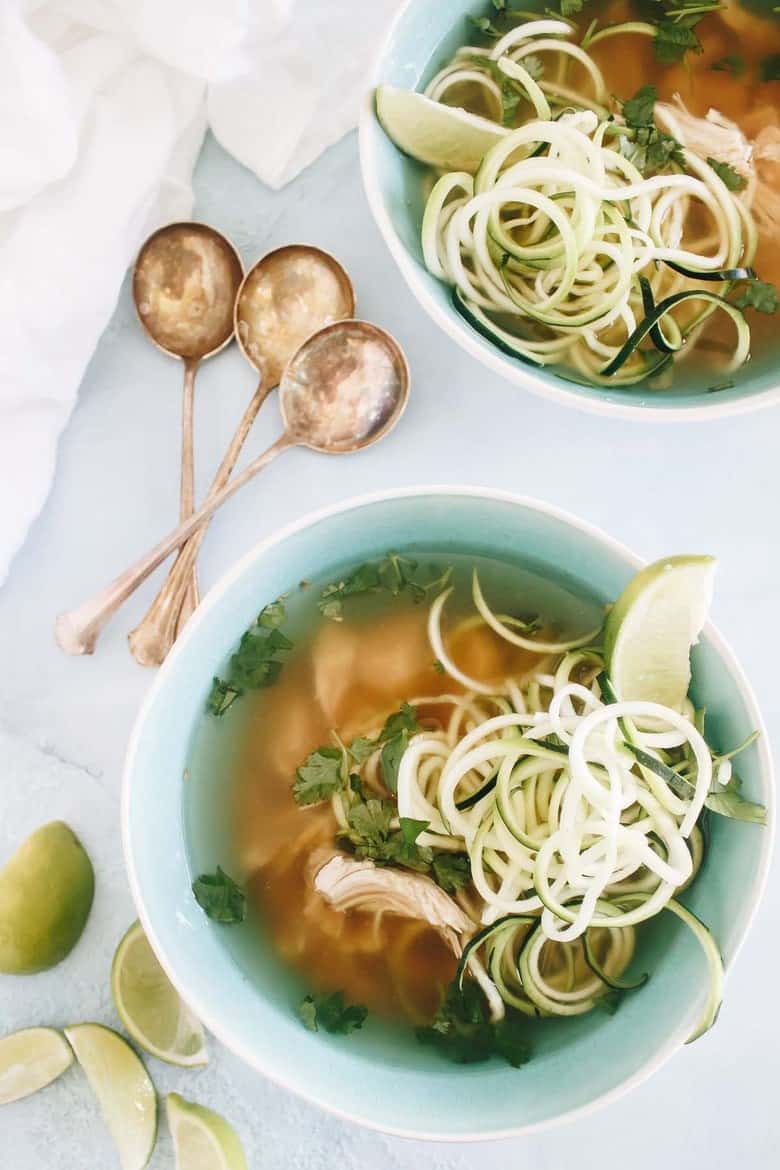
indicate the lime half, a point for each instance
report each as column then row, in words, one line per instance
column 149, row 1006
column 46, row 891
column 202, row 1139
column 652, row 626
column 30, row 1060
column 442, row 136
column 121, row 1084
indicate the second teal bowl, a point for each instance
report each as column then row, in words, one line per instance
column 381, row 1077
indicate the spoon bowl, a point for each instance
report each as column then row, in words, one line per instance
column 185, row 282
column 345, row 388
column 288, row 295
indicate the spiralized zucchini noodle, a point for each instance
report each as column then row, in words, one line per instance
column 572, row 840
column 559, row 250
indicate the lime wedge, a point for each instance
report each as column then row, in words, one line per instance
column 149, row 1006
column 442, row 136
column 202, row 1140
column 123, row 1089
column 650, row 630
column 30, row 1060
column 46, row 894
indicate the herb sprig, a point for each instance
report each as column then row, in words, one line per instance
column 220, row 898
column 395, row 574
column 256, row 663
column 463, row 1032
column 647, row 147
column 332, row 1013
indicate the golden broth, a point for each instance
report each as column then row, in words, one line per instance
column 350, row 676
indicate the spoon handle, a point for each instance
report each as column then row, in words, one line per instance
column 190, row 597
column 154, row 635
column 77, row 630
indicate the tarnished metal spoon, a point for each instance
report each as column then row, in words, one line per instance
column 343, row 390
column 288, row 295
column 184, row 287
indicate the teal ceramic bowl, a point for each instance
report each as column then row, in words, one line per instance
column 381, row 1077
column 424, row 35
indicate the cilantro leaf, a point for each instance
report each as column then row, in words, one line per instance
column 732, row 63
column 370, row 820
column 673, row 39
column 769, row 69
column 319, row 776
column 221, row 696
column 405, row 719
column 332, row 1013
column 272, row 616
column 732, row 179
column 411, row 829
column 463, row 1032
column 220, row 898
column 361, row 748
column 638, row 110
column 571, row 7
column 394, row 572
column 451, row 871
column 728, row 802
column 392, row 754
column 438, row 666
column 485, row 25
column 758, row 295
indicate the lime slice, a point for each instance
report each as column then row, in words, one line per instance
column 46, row 894
column 652, row 626
column 149, row 1006
column 123, row 1089
column 202, row 1140
column 442, row 136
column 30, row 1060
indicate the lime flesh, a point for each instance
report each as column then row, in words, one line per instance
column 442, row 136
column 124, row 1091
column 30, row 1060
column 149, row 1006
column 202, row 1139
column 46, row 892
column 651, row 628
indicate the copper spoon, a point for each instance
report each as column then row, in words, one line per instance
column 343, row 390
column 184, row 286
column 283, row 299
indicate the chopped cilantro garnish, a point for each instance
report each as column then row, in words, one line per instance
column 758, row 295
column 647, row 147
column 463, row 1032
column 220, row 897
column 395, row 573
column 733, row 180
column 319, row 776
column 332, row 1013
column 451, row 871
column 438, row 666
column 256, row 663
column 485, row 25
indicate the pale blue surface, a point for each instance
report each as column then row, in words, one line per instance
column 660, row 489
column 379, row 1076
column 424, row 38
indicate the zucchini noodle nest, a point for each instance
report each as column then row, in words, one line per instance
column 571, row 840
column 561, row 251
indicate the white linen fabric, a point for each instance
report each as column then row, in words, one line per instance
column 103, row 109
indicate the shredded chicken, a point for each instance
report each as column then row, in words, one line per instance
column 710, row 137
column 348, row 884
column 757, row 159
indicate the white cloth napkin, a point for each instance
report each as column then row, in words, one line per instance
column 103, row 108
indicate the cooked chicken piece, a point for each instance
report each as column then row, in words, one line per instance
column 347, row 884
column 710, row 137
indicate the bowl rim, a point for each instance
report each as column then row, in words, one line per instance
column 213, row 599
column 521, row 375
